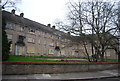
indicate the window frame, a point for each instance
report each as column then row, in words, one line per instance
column 9, row 25
column 31, row 40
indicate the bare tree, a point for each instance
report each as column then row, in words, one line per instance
column 116, row 21
column 7, row 4
column 93, row 19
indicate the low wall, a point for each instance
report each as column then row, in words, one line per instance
column 36, row 68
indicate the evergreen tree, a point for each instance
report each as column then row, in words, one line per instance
column 5, row 43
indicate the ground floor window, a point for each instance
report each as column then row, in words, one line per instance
column 51, row 51
column 30, row 49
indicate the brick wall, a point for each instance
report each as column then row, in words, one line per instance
column 32, row 68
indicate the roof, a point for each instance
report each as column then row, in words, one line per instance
column 32, row 24
column 38, row 26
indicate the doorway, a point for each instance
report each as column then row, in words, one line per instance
column 19, row 50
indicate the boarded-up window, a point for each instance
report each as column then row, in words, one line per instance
column 39, row 50
column 62, row 52
column 30, row 49
column 51, row 51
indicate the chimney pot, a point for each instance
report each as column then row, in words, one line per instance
column 21, row 14
column 68, row 33
column 49, row 25
column 13, row 11
column 53, row 27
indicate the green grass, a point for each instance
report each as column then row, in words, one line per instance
column 34, row 59
column 111, row 60
column 28, row 59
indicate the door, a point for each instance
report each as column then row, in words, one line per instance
column 19, row 50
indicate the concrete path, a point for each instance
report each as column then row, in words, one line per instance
column 63, row 59
column 67, row 76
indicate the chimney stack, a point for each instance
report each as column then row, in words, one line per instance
column 49, row 25
column 13, row 11
column 68, row 33
column 53, row 27
column 21, row 14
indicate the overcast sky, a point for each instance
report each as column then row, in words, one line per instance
column 43, row 11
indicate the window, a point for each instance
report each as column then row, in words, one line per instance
column 43, row 34
column 57, row 48
column 31, row 40
column 45, row 42
column 63, row 46
column 30, row 49
column 32, row 31
column 21, row 38
column 9, row 36
column 108, row 52
column 38, row 33
column 21, row 28
column 51, row 44
column 51, row 51
column 58, row 37
column 11, row 47
column 9, row 25
column 39, row 41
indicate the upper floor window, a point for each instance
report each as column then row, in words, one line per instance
column 38, row 32
column 21, row 28
column 9, row 36
column 21, row 38
column 9, row 25
column 51, row 44
column 39, row 41
column 43, row 34
column 45, row 42
column 58, row 37
column 32, row 31
column 32, row 40
column 62, row 46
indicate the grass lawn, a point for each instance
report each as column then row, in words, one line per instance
column 28, row 59
column 35, row 59
column 111, row 60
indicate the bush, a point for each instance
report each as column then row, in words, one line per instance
column 5, row 43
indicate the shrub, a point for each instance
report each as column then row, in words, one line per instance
column 5, row 43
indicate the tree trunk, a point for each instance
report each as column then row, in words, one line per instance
column 87, row 53
column 102, row 54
